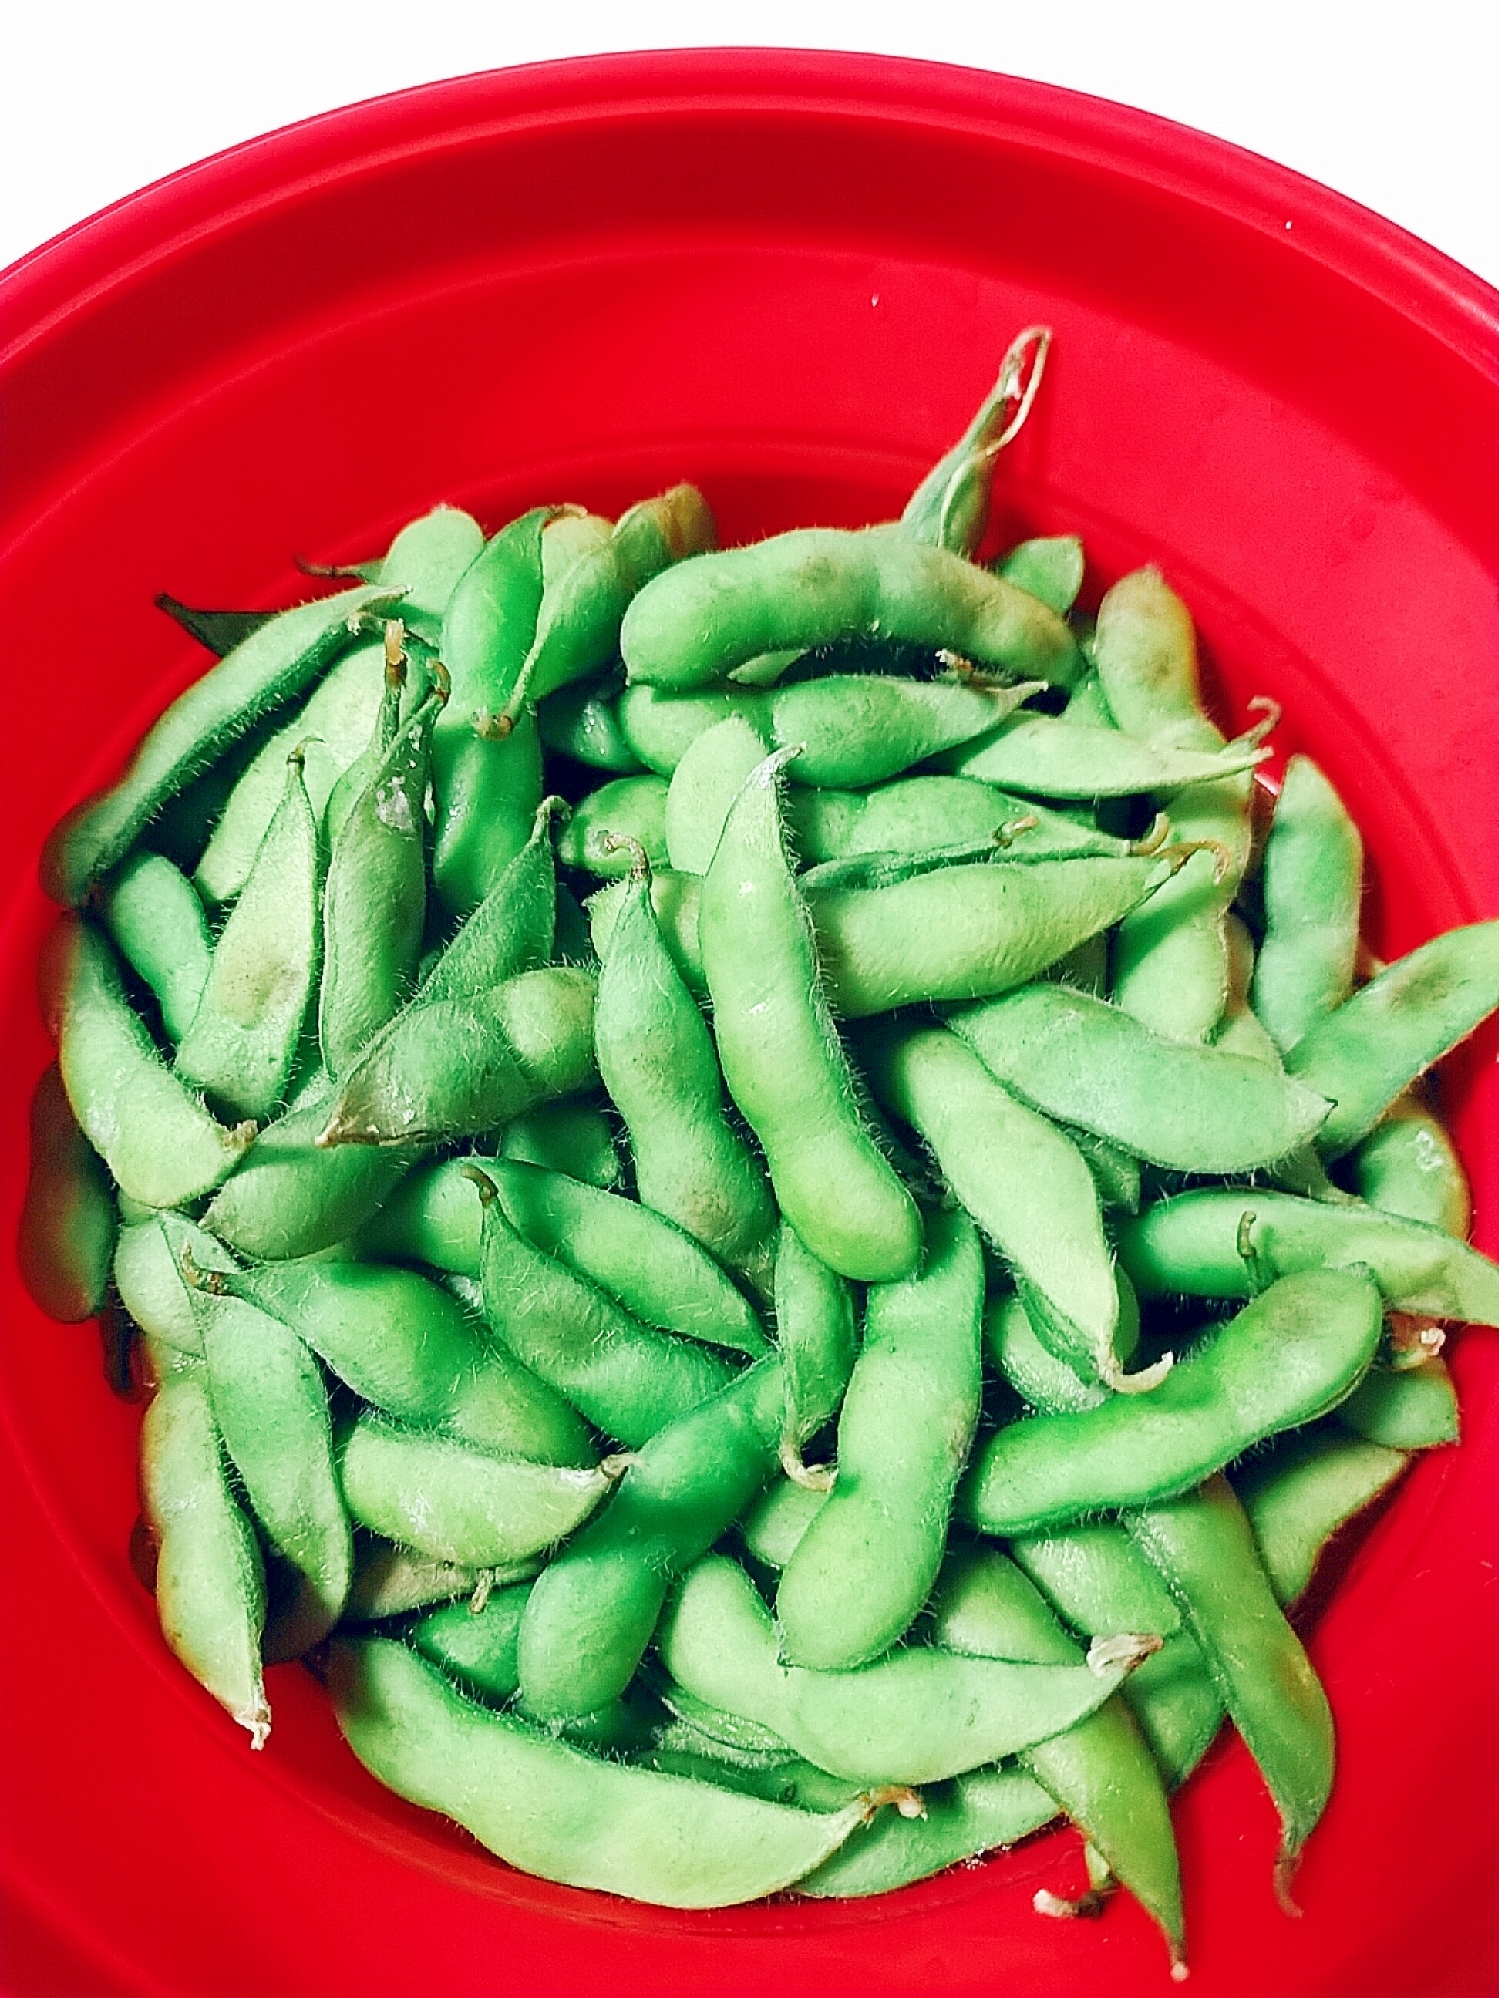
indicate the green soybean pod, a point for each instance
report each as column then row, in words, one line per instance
column 455, row 1502
column 661, row 726
column 559, row 1813
column 581, row 721
column 245, row 1034
column 1046, row 756
column 1197, row 1243
column 375, row 896
column 1205, row 1551
column 486, row 790
column 914, row 814
column 594, row 1609
column 1409, row 1166
column 657, row 1058
column 577, row 630
column 1048, row 1384
column 815, row 586
column 477, row 1648
column 675, row 902
column 914, row 1717
column 1085, row 1062
column 982, row 1811
column 460, row 1068
column 1049, row 567
column 402, row 1343
column 272, row 665
column 513, row 928
column 1312, row 882
column 427, row 560
column 576, row 1139
column 148, row 1277
column 68, row 1224
column 271, row 1407
column 1298, row 1350
column 1370, row 1050
column 158, row 1141
column 291, row 1196
column 155, row 919
column 628, row 1379
column 868, row 1561
column 703, row 787
column 1297, row 1498
column 1101, row 1771
column 1405, row 1408
column 1240, row 1030
column 950, row 507
column 775, row 1523
column 598, row 834
column 817, row 1337
column 1025, row 1184
column 781, row 1056
column 210, row 1583
column 387, row 708
column 968, row 932
column 333, row 724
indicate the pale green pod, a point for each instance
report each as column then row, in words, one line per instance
column 1312, row 886
column 210, row 1583
column 703, row 787
column 629, row 808
column 154, row 1135
column 553, row 1811
column 148, row 1275
column 817, row 1336
column 950, row 507
column 68, row 1222
column 154, row 916
column 1404, row 1408
column 1049, row 567
column 1297, row 1498
column 391, row 1581
column 246, row 1032
column 457, row 1503
column 573, row 1138
column 1409, row 1166
column 1046, row 756
column 333, row 726
column 426, row 561
column 982, row 1811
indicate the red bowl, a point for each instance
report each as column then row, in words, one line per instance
column 789, row 277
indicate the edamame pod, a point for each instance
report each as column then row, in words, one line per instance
column 375, row 897
column 598, row 834
column 594, row 1609
column 457, row 1503
column 333, row 726
column 1406, row 1408
column 817, row 1338
column 917, row 1716
column 1311, row 883
column 781, row 1056
column 272, row 665
column 459, row 1068
column 477, row 1648
column 627, row 1378
column 1101, row 1771
column 1203, row 1547
column 210, row 1584
column 1409, row 1166
column 916, row 814
column 581, row 721
column 513, row 928
column 1048, row 1384
column 486, row 794
column 245, row 1034
column 1374, row 1046
column 67, row 1233
column 391, row 1581
column 1049, row 567
column 152, row 913
column 1297, row 1498
column 559, row 1813
column 291, row 1196
column 1025, row 1184
column 271, row 1408
column 577, row 1139
column 950, row 508
column 657, row 1058
column 815, row 586
column 775, row 1523
column 851, row 728
column 426, row 562
column 1197, row 1243
column 703, row 787
column 982, row 1811
column 868, row 1561
column 1044, row 756
column 1085, row 1062
column 161, row 1145
column 1296, row 1352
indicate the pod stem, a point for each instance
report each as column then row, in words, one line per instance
column 811, row 1477
column 908, row 1803
column 1154, row 838
column 1129, row 1649
column 488, row 1191
column 1113, row 1375
column 1285, row 1870
column 640, row 860
column 210, row 1281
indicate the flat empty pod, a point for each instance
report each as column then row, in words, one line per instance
column 867, row 1562
column 1047, row 756
column 782, row 1059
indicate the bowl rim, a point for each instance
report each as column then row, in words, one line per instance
column 118, row 243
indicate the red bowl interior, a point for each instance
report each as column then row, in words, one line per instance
column 788, row 277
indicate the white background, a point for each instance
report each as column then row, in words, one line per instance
column 1394, row 107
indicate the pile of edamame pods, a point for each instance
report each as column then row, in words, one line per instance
column 770, row 1213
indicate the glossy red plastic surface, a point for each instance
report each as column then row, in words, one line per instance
column 789, row 277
